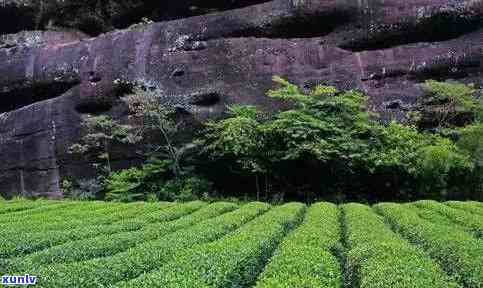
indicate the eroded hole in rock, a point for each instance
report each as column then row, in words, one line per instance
column 441, row 27
column 16, row 99
column 94, row 77
column 297, row 27
column 455, row 68
column 188, row 8
column 178, row 73
column 223, row 4
column 97, row 106
column 181, row 110
column 394, row 104
column 205, row 99
column 15, row 19
column 133, row 12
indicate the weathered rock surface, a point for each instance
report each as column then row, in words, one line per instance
column 96, row 16
column 383, row 47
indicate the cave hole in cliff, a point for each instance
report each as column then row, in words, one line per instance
column 151, row 9
column 451, row 68
column 94, row 77
column 15, row 19
column 178, row 73
column 18, row 98
column 206, row 99
column 95, row 107
column 221, row 5
column 440, row 27
column 301, row 26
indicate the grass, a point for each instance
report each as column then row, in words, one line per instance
column 197, row 244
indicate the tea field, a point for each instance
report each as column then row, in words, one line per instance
column 197, row 244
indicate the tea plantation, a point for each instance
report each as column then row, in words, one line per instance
column 197, row 244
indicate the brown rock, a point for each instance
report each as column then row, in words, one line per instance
column 385, row 48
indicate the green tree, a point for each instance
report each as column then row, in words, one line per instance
column 167, row 173
column 332, row 133
column 471, row 141
column 156, row 124
column 449, row 104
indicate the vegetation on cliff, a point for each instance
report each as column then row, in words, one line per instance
column 327, row 145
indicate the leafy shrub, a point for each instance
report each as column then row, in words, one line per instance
column 155, row 177
column 102, row 132
column 471, row 142
column 438, row 163
column 185, row 189
column 449, row 104
column 125, row 185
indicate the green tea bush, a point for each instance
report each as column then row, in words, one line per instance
column 146, row 256
column 306, row 257
column 56, row 213
column 25, row 210
column 470, row 222
column 16, row 244
column 106, row 245
column 233, row 261
column 222, row 244
column 80, row 217
column 25, row 205
column 377, row 257
column 460, row 254
column 469, row 206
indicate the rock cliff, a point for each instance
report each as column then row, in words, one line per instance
column 205, row 57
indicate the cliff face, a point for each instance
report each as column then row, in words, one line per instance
column 49, row 79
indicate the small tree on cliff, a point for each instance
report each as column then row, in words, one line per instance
column 156, row 126
column 102, row 133
column 152, row 129
column 166, row 173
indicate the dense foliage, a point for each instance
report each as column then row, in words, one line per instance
column 197, row 244
column 155, row 181
column 328, row 144
column 448, row 104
